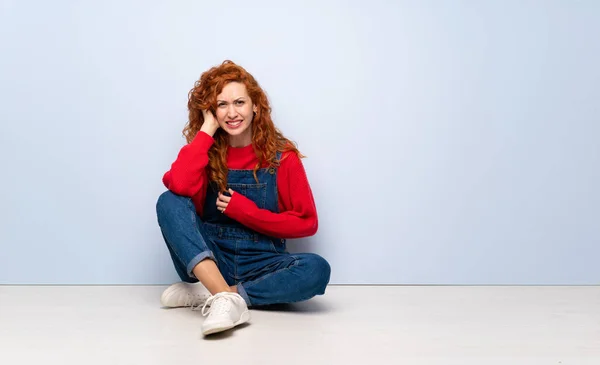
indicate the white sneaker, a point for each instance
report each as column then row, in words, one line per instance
column 184, row 294
column 226, row 311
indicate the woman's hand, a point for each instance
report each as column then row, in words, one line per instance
column 223, row 201
column 210, row 124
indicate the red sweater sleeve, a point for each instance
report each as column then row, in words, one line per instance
column 187, row 176
column 298, row 213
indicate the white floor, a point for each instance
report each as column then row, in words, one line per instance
column 349, row 325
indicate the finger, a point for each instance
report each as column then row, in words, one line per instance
column 231, row 192
column 221, row 203
column 206, row 113
column 224, row 198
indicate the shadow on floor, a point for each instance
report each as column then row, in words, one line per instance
column 310, row 306
column 225, row 334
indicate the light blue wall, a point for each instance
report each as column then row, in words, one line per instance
column 449, row 142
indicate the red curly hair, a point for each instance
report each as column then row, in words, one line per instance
column 267, row 140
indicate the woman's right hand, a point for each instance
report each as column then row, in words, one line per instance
column 210, row 124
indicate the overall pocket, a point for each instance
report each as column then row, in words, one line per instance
column 255, row 192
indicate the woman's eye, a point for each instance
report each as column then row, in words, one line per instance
column 220, row 105
column 240, row 102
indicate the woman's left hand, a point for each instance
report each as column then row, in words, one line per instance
column 223, row 201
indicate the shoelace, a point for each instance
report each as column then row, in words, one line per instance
column 195, row 299
column 218, row 303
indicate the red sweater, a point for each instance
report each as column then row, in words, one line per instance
column 298, row 214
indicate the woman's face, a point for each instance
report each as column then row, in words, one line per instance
column 235, row 112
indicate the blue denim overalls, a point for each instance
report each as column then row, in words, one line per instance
column 259, row 265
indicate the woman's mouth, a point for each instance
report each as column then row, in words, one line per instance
column 233, row 124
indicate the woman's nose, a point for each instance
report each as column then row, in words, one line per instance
column 231, row 112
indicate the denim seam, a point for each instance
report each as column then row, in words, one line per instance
column 235, row 261
column 250, row 171
column 191, row 205
column 276, row 191
column 237, row 237
column 273, row 246
column 175, row 252
column 257, row 186
column 242, row 292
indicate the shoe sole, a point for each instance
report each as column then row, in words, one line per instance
column 245, row 317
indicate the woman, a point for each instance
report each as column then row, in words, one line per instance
column 236, row 191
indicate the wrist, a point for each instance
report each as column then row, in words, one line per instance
column 208, row 129
column 238, row 205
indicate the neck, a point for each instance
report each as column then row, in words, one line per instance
column 240, row 141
